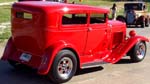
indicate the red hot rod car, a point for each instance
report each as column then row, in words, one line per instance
column 58, row 38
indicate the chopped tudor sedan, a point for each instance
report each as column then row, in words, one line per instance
column 58, row 38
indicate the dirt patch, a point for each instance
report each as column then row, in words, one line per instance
column 2, row 46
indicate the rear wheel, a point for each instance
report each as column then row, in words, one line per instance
column 143, row 24
column 138, row 52
column 64, row 67
column 147, row 22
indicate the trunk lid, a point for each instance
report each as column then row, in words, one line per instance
column 27, row 31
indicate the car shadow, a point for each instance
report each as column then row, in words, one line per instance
column 124, row 60
column 88, row 70
column 133, row 26
column 28, row 77
column 10, row 75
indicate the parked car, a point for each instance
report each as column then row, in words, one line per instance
column 57, row 39
column 136, row 13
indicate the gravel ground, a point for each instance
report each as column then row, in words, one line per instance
column 141, row 31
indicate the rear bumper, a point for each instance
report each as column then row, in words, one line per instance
column 11, row 53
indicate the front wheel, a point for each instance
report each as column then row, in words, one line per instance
column 138, row 52
column 64, row 67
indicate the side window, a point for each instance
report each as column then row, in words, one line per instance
column 24, row 15
column 68, row 19
column 97, row 18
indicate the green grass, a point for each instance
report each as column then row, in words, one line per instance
column 5, row 13
column 94, row 2
column 148, row 6
column 5, row 35
column 5, row 17
column 2, row 1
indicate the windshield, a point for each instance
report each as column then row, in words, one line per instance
column 133, row 6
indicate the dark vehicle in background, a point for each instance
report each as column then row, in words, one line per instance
column 135, row 13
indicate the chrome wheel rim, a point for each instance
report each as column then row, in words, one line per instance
column 65, row 67
column 141, row 51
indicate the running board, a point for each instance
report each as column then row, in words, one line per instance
column 93, row 64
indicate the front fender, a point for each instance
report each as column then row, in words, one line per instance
column 50, row 54
column 133, row 40
column 123, row 48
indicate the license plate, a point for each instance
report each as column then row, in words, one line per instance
column 25, row 57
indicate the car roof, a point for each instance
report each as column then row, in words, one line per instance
column 61, row 7
column 136, row 2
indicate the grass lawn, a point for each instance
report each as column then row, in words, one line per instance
column 148, row 6
column 94, row 2
column 5, row 13
column 1, row 1
column 5, row 35
column 4, row 17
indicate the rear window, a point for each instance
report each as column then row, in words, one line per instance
column 24, row 15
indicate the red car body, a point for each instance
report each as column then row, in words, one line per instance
column 40, row 30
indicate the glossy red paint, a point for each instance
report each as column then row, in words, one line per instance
column 40, row 29
column 132, row 33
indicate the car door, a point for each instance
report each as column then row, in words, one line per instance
column 98, row 36
column 74, row 30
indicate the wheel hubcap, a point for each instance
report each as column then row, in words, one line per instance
column 141, row 51
column 65, row 67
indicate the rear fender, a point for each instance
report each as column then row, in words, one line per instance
column 140, row 19
column 123, row 48
column 49, row 56
column 9, row 49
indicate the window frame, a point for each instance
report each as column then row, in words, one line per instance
column 23, row 15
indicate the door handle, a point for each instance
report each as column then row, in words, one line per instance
column 90, row 29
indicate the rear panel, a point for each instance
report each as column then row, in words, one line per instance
column 27, row 29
